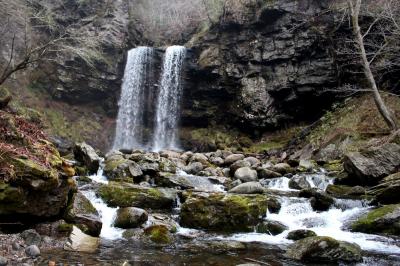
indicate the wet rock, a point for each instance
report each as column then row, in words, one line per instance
column 271, row 227
column 388, row 190
column 31, row 237
column 3, row 261
column 248, row 188
column 172, row 181
column 129, row 195
column 299, row 182
column 265, row 173
column 217, row 161
column 385, row 219
column 167, row 165
column 233, row 158
column 158, row 234
column 130, row 217
column 300, row 234
column 199, row 157
column 82, row 213
column 32, row 251
column 85, row 154
column 238, row 164
column 54, row 229
column 194, row 168
column 80, row 242
column 282, row 168
column 324, row 249
column 345, row 192
column 319, row 200
column 246, row 174
column 306, row 165
column 371, row 166
column 253, row 161
column 170, row 154
column 121, row 169
column 220, row 212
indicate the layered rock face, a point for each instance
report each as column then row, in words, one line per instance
column 270, row 65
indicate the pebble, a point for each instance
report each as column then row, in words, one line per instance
column 3, row 261
column 32, row 251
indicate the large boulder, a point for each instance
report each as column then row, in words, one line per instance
column 300, row 234
column 299, row 182
column 388, row 190
column 121, row 169
column 248, row 188
column 320, row 201
column 385, row 219
column 85, row 154
column 271, row 227
column 246, row 174
column 322, row 249
column 130, row 217
column 233, row 158
column 220, row 212
column 238, row 164
column 80, row 242
column 194, row 168
column 345, row 192
column 129, row 195
column 82, row 213
column 370, row 166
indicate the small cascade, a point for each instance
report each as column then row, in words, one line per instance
column 131, row 112
column 168, row 102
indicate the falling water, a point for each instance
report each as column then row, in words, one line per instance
column 168, row 103
column 131, row 105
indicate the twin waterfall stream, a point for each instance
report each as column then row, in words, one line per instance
column 136, row 89
column 162, row 120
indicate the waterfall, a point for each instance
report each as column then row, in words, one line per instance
column 130, row 122
column 168, row 102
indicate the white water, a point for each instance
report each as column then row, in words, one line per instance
column 130, row 120
column 168, row 101
column 297, row 213
column 107, row 214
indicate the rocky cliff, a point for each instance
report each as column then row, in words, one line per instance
column 270, row 66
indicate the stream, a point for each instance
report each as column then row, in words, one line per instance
column 192, row 247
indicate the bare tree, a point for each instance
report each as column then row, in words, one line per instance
column 29, row 36
column 366, row 59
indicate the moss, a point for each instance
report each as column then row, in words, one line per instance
column 158, row 234
column 118, row 194
column 368, row 223
column 334, row 166
column 64, row 227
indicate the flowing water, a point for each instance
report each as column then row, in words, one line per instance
column 131, row 105
column 192, row 247
column 168, row 102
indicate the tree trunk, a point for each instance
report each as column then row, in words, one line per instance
column 383, row 110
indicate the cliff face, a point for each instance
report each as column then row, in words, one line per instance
column 270, row 66
column 256, row 71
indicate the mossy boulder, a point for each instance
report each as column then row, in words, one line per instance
column 119, row 194
column 322, row 249
column 130, row 217
column 158, row 234
column 345, row 192
column 86, row 154
column 82, row 213
column 120, row 169
column 271, row 227
column 385, row 220
column 300, row 234
column 370, row 166
column 223, row 212
column 387, row 191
